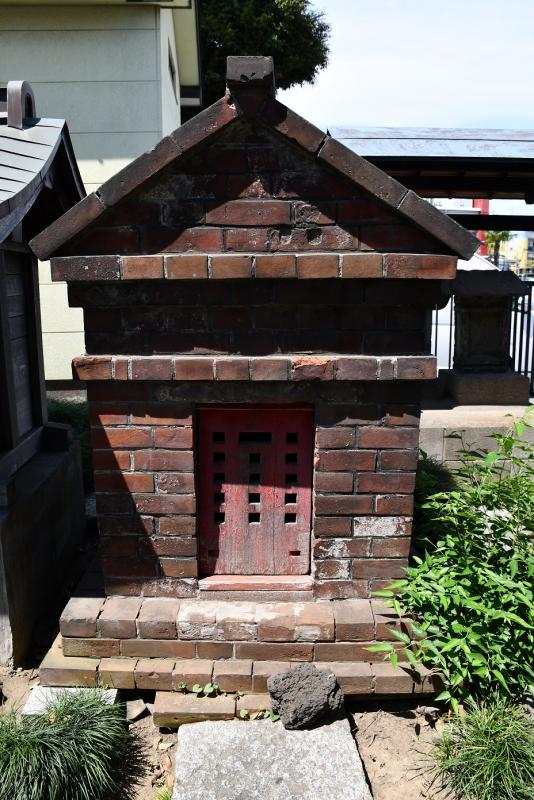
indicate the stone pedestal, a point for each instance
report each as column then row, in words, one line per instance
column 486, row 388
column 482, row 363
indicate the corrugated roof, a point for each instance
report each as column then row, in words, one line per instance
column 437, row 142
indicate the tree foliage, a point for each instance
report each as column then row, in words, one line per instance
column 494, row 239
column 295, row 34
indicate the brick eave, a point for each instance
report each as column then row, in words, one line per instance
column 228, row 266
column 183, row 368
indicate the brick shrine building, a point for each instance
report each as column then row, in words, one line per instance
column 257, row 305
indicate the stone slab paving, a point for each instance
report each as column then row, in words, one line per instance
column 236, row 760
column 41, row 696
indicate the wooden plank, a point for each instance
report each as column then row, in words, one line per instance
column 495, row 222
column 14, row 284
column 12, row 460
column 39, row 400
column 17, row 326
column 293, row 495
column 22, row 372
column 8, row 415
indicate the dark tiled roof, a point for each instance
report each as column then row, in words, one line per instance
column 252, row 96
column 27, row 152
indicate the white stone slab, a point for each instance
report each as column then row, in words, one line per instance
column 41, row 696
column 238, row 760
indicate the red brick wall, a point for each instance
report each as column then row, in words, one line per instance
column 257, row 318
column 250, row 191
column 246, row 198
column 144, row 460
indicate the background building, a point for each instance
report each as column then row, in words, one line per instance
column 518, row 253
column 120, row 73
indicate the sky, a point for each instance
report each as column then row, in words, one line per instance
column 428, row 63
column 425, row 63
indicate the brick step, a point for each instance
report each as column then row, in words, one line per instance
column 134, row 627
column 243, row 675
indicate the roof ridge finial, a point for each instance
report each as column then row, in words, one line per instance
column 250, row 74
column 20, row 103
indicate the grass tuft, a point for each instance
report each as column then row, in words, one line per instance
column 487, row 754
column 79, row 749
column 164, row 794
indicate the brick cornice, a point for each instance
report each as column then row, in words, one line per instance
column 262, row 368
column 203, row 266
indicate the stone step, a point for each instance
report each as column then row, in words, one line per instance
column 169, row 628
column 232, row 675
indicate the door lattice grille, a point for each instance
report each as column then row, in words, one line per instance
column 255, row 491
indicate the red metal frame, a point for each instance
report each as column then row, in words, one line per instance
column 255, row 479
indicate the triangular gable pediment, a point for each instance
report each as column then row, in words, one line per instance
column 251, row 174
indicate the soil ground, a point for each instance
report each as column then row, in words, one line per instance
column 394, row 740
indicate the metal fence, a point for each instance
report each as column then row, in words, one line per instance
column 443, row 335
column 521, row 335
column 521, row 339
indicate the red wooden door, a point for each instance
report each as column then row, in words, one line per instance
column 255, row 491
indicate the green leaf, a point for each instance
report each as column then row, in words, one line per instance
column 197, row 688
column 418, row 630
column 400, row 636
column 393, row 659
column 383, row 647
column 452, row 644
column 500, row 677
column 243, row 713
column 411, row 657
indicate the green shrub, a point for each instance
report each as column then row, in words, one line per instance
column 487, row 754
column 471, row 591
column 80, row 749
column 76, row 414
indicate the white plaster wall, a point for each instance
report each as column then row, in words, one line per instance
column 104, row 70
column 170, row 92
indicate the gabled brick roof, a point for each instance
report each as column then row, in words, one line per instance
column 250, row 94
